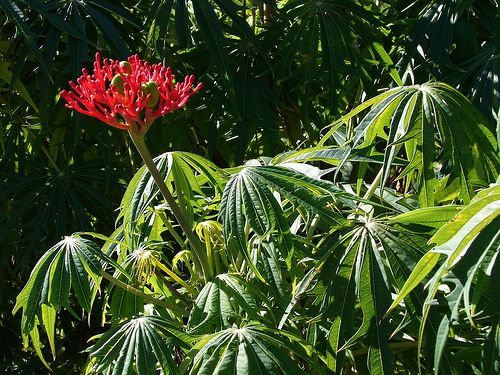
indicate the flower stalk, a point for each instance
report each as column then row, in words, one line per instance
column 199, row 255
column 130, row 95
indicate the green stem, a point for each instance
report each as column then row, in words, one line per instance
column 377, row 182
column 170, row 228
column 170, row 287
column 47, row 153
column 147, row 297
column 180, row 196
column 199, row 256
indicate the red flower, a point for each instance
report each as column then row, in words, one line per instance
column 123, row 94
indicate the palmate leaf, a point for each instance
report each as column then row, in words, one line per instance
column 221, row 303
column 332, row 27
column 433, row 32
column 252, row 86
column 51, row 201
column 70, row 264
column 193, row 170
column 13, row 12
column 252, row 349
column 368, row 263
column 478, row 73
column 138, row 345
column 454, row 238
column 469, row 243
column 443, row 24
column 56, row 20
column 249, row 198
column 310, row 195
column 430, row 124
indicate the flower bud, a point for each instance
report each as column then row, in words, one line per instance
column 151, row 88
column 118, row 82
column 125, row 65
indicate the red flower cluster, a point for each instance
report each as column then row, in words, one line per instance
column 134, row 90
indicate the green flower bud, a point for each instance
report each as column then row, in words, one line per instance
column 118, row 82
column 125, row 65
column 151, row 88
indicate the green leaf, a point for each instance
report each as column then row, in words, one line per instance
column 37, row 345
column 340, row 303
column 303, row 192
column 17, row 15
column 138, row 345
column 434, row 217
column 439, row 129
column 254, row 191
column 326, row 32
column 370, row 261
column 231, row 9
column 49, row 285
column 301, row 288
column 375, row 299
column 123, row 304
column 422, row 269
column 468, row 243
column 253, row 347
column 57, row 21
column 6, row 76
column 142, row 190
column 458, row 233
column 386, row 59
column 107, row 29
column 273, row 276
column 214, row 37
column 48, row 314
column 213, row 305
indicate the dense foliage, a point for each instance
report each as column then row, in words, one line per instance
column 339, row 170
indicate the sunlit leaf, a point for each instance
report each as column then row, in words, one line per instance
column 214, row 305
column 142, row 190
column 468, row 243
column 447, row 130
column 252, row 348
column 49, row 285
column 138, row 345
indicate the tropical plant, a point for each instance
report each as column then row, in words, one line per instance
column 327, row 203
column 301, row 272
column 464, row 281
